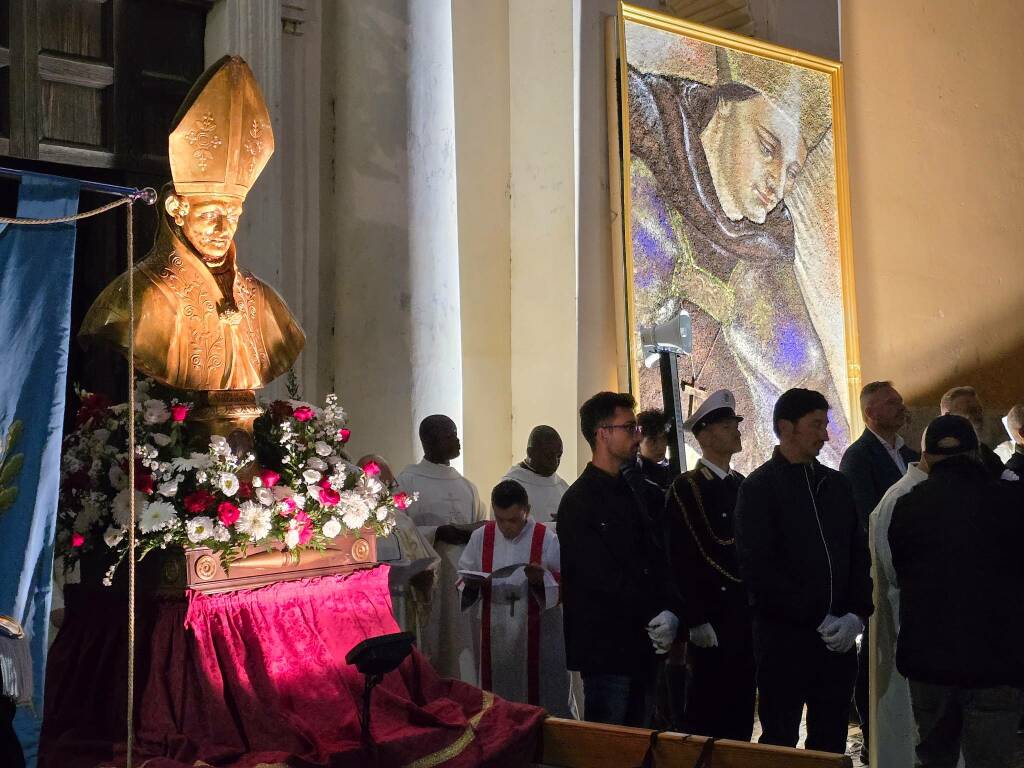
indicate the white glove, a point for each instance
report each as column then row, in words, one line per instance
column 842, row 633
column 703, row 636
column 826, row 623
column 662, row 631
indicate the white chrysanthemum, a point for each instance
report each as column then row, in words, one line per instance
column 381, row 513
column 168, row 489
column 264, row 496
column 121, row 510
column 118, row 479
column 228, row 483
column 316, row 463
column 322, row 448
column 158, row 515
column 354, row 509
column 370, row 486
column 155, row 412
column 113, row 535
column 195, row 461
column 221, row 533
column 219, row 446
column 311, row 476
column 332, row 528
column 161, row 439
column 253, row 520
column 199, row 529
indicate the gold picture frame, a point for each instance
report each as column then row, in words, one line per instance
column 632, row 20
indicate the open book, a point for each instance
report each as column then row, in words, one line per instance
column 477, row 576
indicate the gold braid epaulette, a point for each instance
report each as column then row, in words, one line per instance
column 693, row 532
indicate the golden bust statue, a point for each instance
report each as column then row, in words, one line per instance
column 201, row 322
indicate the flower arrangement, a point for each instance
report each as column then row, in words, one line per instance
column 298, row 490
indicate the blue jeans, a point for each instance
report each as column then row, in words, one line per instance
column 618, row 699
column 982, row 722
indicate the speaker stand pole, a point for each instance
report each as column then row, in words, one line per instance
column 672, row 404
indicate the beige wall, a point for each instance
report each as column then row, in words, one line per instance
column 936, row 166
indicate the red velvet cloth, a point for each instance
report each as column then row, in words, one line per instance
column 259, row 677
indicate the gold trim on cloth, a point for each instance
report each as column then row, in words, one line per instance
column 457, row 747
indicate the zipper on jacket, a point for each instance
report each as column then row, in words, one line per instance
column 821, row 532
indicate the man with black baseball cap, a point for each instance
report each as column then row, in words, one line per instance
column 699, row 517
column 803, row 555
column 955, row 541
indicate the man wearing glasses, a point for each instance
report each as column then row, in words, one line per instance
column 620, row 613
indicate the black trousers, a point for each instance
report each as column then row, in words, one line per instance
column 794, row 668
column 11, row 755
column 722, row 686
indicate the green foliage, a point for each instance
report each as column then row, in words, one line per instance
column 10, row 466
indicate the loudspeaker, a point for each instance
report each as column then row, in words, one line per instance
column 675, row 335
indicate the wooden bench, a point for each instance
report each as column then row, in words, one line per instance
column 577, row 744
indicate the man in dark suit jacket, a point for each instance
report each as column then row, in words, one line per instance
column 873, row 463
column 964, row 401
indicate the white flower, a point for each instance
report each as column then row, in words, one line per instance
column 161, row 439
column 221, row 533
column 282, row 492
column 354, row 510
column 118, row 479
column 318, row 464
column 199, row 529
column 195, row 461
column 201, row 476
column 322, row 448
column 257, row 482
column 219, row 446
column 370, row 486
column 122, row 513
column 155, row 412
column 112, row 536
column 101, row 435
column 254, row 520
column 228, row 483
column 168, row 489
column 311, row 476
column 89, row 515
column 332, row 460
column 264, row 496
column 158, row 515
column 332, row 528
column 291, row 536
column 381, row 513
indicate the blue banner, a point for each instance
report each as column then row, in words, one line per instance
column 36, row 270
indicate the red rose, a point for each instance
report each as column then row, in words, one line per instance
column 279, row 409
column 245, row 490
column 402, row 500
column 329, row 496
column 371, row 469
column 228, row 513
column 198, row 502
column 303, row 413
column 92, row 406
column 77, row 540
column 344, row 434
column 269, row 478
column 144, row 482
column 179, row 412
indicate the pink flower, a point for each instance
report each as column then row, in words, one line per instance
column 305, row 534
column 228, row 513
column 303, row 517
column 329, row 496
column 244, row 490
column 303, row 413
column 77, row 540
column 179, row 412
column 344, row 434
column 269, row 478
column 402, row 500
column 371, row 469
column 289, row 506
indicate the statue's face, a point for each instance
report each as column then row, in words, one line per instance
column 761, row 155
column 210, row 224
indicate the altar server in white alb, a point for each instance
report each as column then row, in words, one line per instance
column 522, row 653
column 538, row 473
column 447, row 507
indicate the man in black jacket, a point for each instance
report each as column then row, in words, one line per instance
column 804, row 558
column 873, row 463
column 964, row 401
column 620, row 613
column 955, row 541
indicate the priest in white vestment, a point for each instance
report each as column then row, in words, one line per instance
column 895, row 728
column 445, row 513
column 538, row 473
column 517, row 604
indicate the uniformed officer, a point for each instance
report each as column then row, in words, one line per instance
column 699, row 514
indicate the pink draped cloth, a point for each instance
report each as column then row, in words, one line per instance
column 258, row 676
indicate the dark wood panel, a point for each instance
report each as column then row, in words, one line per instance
column 61, row 69
column 76, row 27
column 5, row 103
column 73, row 114
column 24, row 78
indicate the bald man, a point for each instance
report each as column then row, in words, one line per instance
column 445, row 513
column 538, row 473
